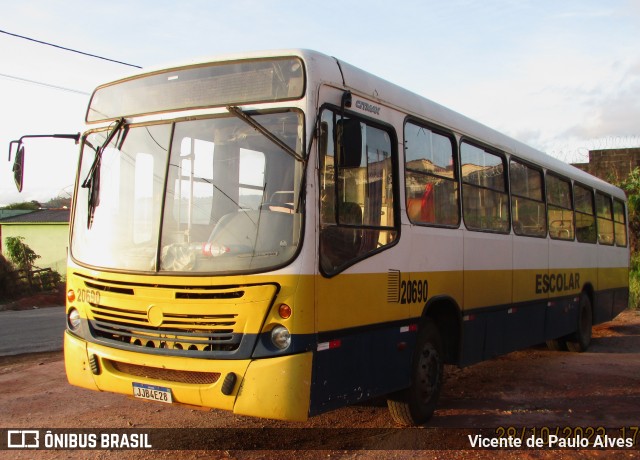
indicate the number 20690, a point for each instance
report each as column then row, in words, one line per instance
column 414, row 291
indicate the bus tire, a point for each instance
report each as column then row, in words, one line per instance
column 579, row 341
column 415, row 405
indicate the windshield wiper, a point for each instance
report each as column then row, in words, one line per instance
column 92, row 181
column 237, row 111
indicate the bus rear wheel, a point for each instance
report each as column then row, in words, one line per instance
column 415, row 405
column 579, row 341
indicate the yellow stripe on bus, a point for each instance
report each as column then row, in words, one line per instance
column 352, row 300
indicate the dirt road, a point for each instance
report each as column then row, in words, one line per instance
column 534, row 389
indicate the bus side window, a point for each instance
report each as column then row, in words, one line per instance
column 485, row 203
column 605, row 219
column 527, row 202
column 430, row 176
column 356, row 191
column 619, row 223
column 560, row 208
column 585, row 215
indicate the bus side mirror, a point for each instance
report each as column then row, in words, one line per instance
column 18, row 164
column 18, row 168
column 349, row 143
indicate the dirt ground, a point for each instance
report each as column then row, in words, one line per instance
column 39, row 300
column 534, row 389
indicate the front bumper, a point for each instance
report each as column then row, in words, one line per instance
column 277, row 388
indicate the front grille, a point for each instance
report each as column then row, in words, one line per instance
column 178, row 331
column 169, row 375
column 201, row 320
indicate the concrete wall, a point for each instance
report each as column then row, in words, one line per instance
column 49, row 241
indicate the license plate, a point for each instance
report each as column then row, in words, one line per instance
column 152, row 392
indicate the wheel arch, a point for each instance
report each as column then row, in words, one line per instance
column 590, row 293
column 445, row 313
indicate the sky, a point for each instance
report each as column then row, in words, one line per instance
column 562, row 76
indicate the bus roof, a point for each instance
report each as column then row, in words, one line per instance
column 388, row 93
column 322, row 68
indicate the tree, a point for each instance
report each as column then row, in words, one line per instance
column 63, row 200
column 631, row 185
column 8, row 279
column 20, row 253
column 58, row 202
column 32, row 205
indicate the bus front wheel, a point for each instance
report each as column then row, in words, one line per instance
column 579, row 341
column 415, row 405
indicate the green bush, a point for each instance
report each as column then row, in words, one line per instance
column 634, row 292
column 47, row 280
column 634, row 282
column 20, row 253
column 631, row 185
column 19, row 275
column 8, row 279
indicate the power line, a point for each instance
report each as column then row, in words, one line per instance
column 68, row 49
column 33, row 82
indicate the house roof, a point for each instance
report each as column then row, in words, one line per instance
column 41, row 216
column 5, row 213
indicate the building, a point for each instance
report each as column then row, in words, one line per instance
column 46, row 231
column 611, row 165
column 4, row 213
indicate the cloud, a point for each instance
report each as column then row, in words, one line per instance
column 612, row 108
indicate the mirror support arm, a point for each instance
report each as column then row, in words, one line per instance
column 75, row 137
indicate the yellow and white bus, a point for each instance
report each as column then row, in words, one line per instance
column 283, row 234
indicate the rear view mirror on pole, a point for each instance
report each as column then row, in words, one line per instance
column 18, row 164
column 18, row 168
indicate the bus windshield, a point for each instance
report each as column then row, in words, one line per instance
column 231, row 196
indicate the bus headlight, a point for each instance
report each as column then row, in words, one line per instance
column 281, row 337
column 73, row 319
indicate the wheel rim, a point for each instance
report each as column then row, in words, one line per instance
column 428, row 372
